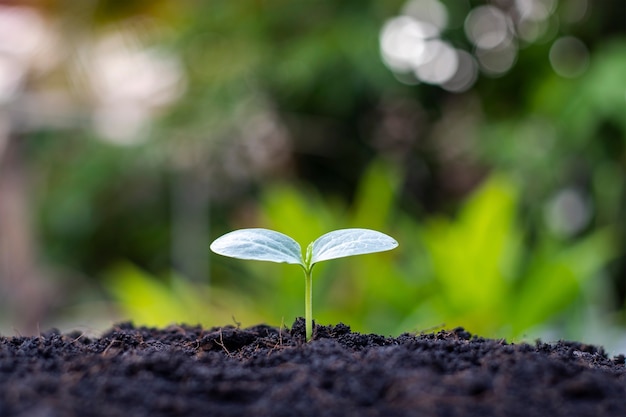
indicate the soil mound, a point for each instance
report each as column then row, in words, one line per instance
column 266, row 371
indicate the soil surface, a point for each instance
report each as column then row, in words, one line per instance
column 267, row 371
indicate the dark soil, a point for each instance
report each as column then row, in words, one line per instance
column 267, row 371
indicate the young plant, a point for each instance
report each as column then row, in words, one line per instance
column 268, row 245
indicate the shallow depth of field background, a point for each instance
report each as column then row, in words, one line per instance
column 487, row 137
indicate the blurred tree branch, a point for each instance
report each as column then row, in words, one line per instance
column 22, row 288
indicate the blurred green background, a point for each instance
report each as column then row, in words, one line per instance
column 487, row 137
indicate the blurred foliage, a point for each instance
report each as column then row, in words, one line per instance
column 158, row 302
column 491, row 279
column 508, row 199
column 476, row 270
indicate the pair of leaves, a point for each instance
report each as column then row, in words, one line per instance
column 268, row 245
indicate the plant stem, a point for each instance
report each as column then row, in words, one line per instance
column 308, row 304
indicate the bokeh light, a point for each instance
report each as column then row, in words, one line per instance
column 569, row 57
column 403, row 43
column 568, row 212
column 439, row 62
column 465, row 75
column 487, row 27
column 533, row 18
column 130, row 81
column 411, row 46
column 22, row 36
column 499, row 59
column 432, row 14
column 414, row 47
column 491, row 32
column 535, row 9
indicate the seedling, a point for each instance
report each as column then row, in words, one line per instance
column 268, row 245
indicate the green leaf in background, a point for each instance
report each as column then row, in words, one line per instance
column 157, row 301
column 375, row 196
column 557, row 275
column 471, row 256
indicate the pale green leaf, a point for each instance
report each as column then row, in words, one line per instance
column 349, row 242
column 259, row 245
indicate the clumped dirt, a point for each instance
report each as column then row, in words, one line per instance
column 266, row 371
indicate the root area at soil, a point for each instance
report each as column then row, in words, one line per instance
column 267, row 371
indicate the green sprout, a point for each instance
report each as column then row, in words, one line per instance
column 268, row 245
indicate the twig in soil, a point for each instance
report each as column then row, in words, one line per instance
column 221, row 343
column 236, row 322
column 106, row 350
column 432, row 329
column 79, row 337
column 180, row 329
column 278, row 344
